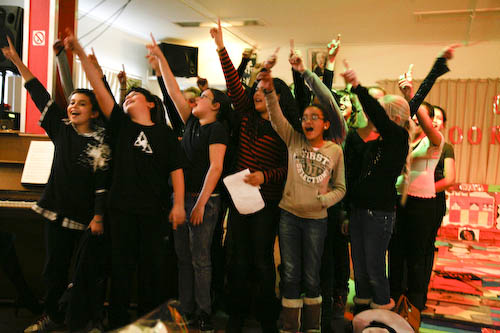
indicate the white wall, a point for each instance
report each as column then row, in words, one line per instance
column 115, row 48
column 19, row 3
column 372, row 62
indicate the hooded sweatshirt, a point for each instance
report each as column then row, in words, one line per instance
column 315, row 178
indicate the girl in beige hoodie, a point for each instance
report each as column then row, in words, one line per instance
column 315, row 181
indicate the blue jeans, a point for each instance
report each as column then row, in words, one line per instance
column 192, row 245
column 301, row 245
column 370, row 232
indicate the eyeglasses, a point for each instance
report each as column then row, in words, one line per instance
column 313, row 117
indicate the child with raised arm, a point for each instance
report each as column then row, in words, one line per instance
column 73, row 200
column 204, row 141
column 146, row 153
column 315, row 181
column 412, row 246
column 375, row 157
column 252, row 236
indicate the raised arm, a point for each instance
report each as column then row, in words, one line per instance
column 105, row 99
column 300, row 90
column 425, row 121
column 235, row 89
column 324, row 95
column 278, row 120
column 173, row 115
column 93, row 59
column 371, row 106
column 122, row 78
column 333, row 50
column 172, row 87
column 51, row 116
column 245, row 59
column 11, row 54
column 438, row 69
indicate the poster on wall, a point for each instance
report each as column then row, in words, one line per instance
column 473, row 212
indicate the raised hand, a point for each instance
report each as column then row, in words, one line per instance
column 216, row 34
column 406, row 83
column 292, row 49
column 58, row 46
column 10, row 53
column 349, row 75
column 266, row 80
column 153, row 48
column 247, row 53
column 93, row 59
column 202, row 83
column 333, row 48
column 447, row 52
column 122, row 77
column 271, row 61
column 71, row 43
column 297, row 63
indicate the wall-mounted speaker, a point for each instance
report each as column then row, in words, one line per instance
column 183, row 60
column 11, row 24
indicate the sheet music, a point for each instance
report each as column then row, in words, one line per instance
column 38, row 163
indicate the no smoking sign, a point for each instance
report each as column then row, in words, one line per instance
column 38, row 37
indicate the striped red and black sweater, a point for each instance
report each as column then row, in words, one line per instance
column 259, row 147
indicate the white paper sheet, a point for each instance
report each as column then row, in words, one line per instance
column 246, row 198
column 38, row 163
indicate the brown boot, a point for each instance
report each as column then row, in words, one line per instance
column 290, row 314
column 311, row 316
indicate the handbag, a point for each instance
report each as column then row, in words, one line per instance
column 409, row 312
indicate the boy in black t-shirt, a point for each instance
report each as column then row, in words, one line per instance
column 146, row 155
column 73, row 200
column 205, row 140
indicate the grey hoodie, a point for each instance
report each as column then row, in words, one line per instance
column 315, row 179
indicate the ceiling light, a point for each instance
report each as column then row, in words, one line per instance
column 224, row 24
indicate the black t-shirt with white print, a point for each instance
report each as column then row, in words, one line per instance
column 196, row 142
column 143, row 157
column 77, row 184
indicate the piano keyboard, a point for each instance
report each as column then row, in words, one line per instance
column 16, row 204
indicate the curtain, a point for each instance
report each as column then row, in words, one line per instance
column 111, row 76
column 469, row 106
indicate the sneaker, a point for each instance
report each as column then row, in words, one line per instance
column 44, row 324
column 338, row 306
column 205, row 323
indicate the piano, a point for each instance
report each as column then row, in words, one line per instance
column 16, row 215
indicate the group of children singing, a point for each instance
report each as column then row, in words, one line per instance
column 120, row 170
